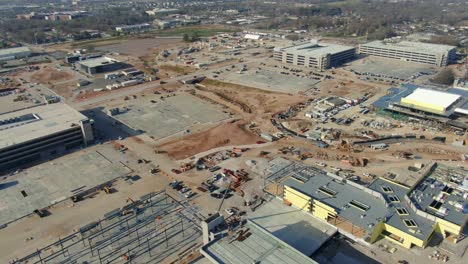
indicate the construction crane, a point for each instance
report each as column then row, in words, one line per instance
column 224, row 195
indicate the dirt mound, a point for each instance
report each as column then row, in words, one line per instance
column 222, row 135
column 50, row 75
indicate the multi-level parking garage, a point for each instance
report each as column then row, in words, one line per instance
column 40, row 132
column 425, row 53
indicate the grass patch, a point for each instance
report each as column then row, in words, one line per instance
column 343, row 3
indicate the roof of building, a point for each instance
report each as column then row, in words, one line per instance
column 399, row 209
column 98, row 62
column 412, row 46
column 312, row 49
column 259, row 247
column 339, row 195
column 133, row 26
column 12, row 51
column 441, row 194
column 433, row 97
column 35, row 122
column 162, row 10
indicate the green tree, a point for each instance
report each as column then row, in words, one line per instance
column 445, row 76
column 195, row 36
column 186, row 37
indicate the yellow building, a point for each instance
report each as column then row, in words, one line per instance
column 430, row 101
column 385, row 209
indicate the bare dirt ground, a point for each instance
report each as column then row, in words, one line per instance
column 254, row 105
column 226, row 134
column 64, row 89
column 345, row 88
column 49, row 75
column 167, row 70
column 139, row 47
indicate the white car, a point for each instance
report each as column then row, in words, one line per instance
column 230, row 211
column 188, row 194
column 321, row 164
column 184, row 190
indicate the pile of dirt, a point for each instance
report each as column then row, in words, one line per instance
column 50, row 75
column 253, row 104
column 222, row 135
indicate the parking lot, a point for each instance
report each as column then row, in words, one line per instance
column 371, row 67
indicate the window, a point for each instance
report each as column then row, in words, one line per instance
column 435, row 205
column 410, row 223
column 327, row 191
column 359, row 205
column 447, row 189
column 402, row 211
column 393, row 199
column 387, row 189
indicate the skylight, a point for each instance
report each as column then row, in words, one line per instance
column 387, row 189
column 402, row 211
column 393, row 199
column 359, row 205
column 327, row 191
column 410, row 223
column 435, row 205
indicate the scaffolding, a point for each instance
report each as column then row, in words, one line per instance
column 149, row 230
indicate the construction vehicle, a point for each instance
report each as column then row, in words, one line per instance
column 107, row 189
column 305, row 156
column 186, row 166
column 154, row 170
column 131, row 208
column 41, row 212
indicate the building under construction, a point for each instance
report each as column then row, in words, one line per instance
column 406, row 215
column 154, row 229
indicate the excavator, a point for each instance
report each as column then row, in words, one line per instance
column 131, row 208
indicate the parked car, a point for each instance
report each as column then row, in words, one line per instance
column 184, row 190
column 215, row 168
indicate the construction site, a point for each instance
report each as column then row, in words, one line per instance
column 153, row 229
column 227, row 133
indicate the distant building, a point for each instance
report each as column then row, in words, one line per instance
column 162, row 11
column 430, row 101
column 315, row 55
column 419, row 52
column 71, row 58
column 133, row 28
column 100, row 65
column 448, row 107
column 252, row 36
column 64, row 15
column 14, row 53
column 39, row 132
column 170, row 23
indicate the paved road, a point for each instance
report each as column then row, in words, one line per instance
column 120, row 93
